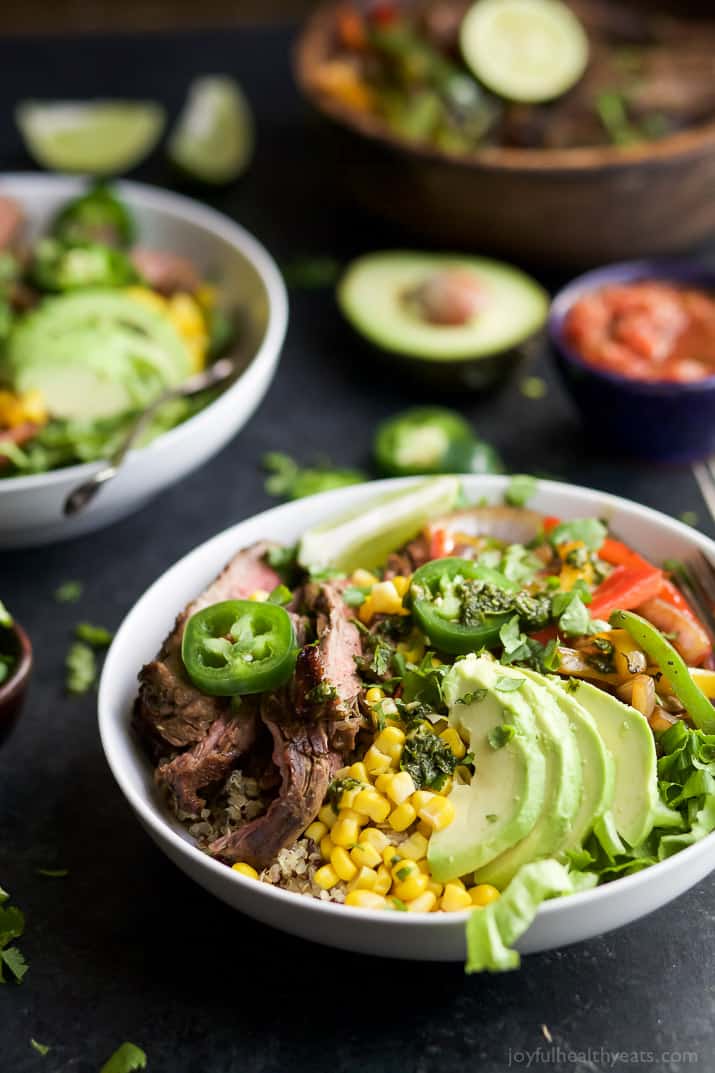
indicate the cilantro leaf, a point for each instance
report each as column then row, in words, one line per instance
column 280, row 595
column 81, row 668
column 589, row 531
column 96, row 636
column 41, row 1048
column 13, row 959
column 53, row 873
column 572, row 613
column 68, row 592
column 521, row 488
column 498, row 736
column 126, row 1059
column 288, row 480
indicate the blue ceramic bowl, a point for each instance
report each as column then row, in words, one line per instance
column 670, row 422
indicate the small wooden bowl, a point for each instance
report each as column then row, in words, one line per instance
column 13, row 689
column 575, row 207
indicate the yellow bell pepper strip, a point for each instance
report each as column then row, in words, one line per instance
column 673, row 666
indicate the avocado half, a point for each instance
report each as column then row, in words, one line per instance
column 372, row 296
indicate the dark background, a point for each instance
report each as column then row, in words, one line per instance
column 125, row 947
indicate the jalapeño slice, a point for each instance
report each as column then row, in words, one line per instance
column 239, row 646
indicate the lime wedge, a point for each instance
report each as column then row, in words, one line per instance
column 92, row 137
column 524, row 50
column 366, row 535
column 213, row 137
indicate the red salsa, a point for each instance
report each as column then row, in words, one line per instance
column 649, row 330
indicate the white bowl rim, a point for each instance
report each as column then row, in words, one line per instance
column 155, row 197
column 152, row 820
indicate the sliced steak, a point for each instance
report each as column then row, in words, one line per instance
column 12, row 219
column 170, row 712
column 302, row 754
column 313, row 721
column 409, row 558
column 210, row 760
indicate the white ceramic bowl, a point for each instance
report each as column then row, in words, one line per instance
column 31, row 507
column 418, row 936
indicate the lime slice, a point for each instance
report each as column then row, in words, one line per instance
column 213, row 137
column 92, row 137
column 524, row 50
column 366, row 535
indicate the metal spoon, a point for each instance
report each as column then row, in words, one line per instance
column 84, row 493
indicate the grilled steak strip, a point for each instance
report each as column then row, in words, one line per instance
column 170, row 712
column 209, row 761
column 314, row 722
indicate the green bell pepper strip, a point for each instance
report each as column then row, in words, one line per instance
column 428, row 584
column 672, row 665
column 239, row 646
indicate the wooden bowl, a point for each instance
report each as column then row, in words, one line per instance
column 574, row 207
column 13, row 689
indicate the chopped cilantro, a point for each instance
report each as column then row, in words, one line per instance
column 491, row 817
column 283, row 561
column 508, row 685
column 533, row 387
column 397, row 903
column 498, row 736
column 354, row 596
column 95, row 636
column 322, row 692
column 280, row 595
column 521, row 488
column 689, row 517
column 588, row 530
column 572, row 684
column 41, row 1048
column 69, row 592
column 572, row 613
column 311, row 273
column 474, row 697
column 403, row 873
column 126, row 1059
column 338, row 787
column 288, row 480
column 5, row 616
column 81, row 668
column 53, row 873
column 427, row 758
column 12, row 926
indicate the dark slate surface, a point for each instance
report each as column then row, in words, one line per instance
column 126, row 948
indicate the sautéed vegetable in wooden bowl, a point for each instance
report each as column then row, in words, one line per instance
column 619, row 164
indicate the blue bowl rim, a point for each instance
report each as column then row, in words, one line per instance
column 667, row 269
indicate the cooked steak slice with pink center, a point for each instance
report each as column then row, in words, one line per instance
column 170, row 710
column 306, row 764
column 314, row 722
column 209, row 761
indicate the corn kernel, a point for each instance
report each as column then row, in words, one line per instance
column 483, row 894
column 424, row 829
column 383, row 781
column 391, row 856
column 358, row 771
column 435, row 887
column 347, row 797
column 423, row 903
column 375, row 838
column 259, row 596
column 402, row 816
column 245, row 870
column 386, row 599
column 374, row 695
column 344, row 867
column 351, row 814
column 414, row 847
column 390, row 741
column 454, row 898
column 412, row 886
column 451, row 738
column 401, row 787
column 383, row 880
column 345, row 831
column 370, row 803
column 423, row 866
column 326, row 847
column 445, row 789
column 327, row 815
column 420, row 798
column 365, row 856
column 376, row 761
column 326, row 877
column 365, row 879
column 365, row 899
column 401, row 584
column 364, row 579
column 148, row 298
column 438, row 813
column 316, row 831
column 366, row 611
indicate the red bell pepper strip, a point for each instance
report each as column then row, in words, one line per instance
column 672, row 595
column 625, row 588
column 441, row 543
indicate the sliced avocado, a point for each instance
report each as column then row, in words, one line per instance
column 505, row 797
column 563, row 779
column 597, row 767
column 629, row 740
column 376, row 296
column 94, row 354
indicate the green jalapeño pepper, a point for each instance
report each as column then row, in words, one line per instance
column 457, row 616
column 660, row 651
column 239, row 646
